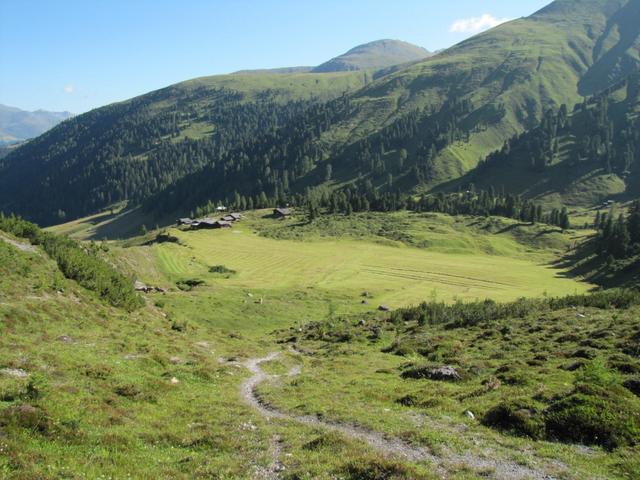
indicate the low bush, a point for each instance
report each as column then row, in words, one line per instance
column 595, row 415
column 190, row 284
column 633, row 385
column 379, row 469
column 516, row 417
column 598, row 411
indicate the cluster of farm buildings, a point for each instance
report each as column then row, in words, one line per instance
column 223, row 222
column 226, row 221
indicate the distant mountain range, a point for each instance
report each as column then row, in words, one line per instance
column 384, row 115
column 17, row 125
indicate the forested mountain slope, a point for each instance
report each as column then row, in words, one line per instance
column 406, row 128
column 132, row 149
column 581, row 157
column 482, row 91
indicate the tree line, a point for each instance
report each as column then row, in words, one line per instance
column 483, row 203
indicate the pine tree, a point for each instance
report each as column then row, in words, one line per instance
column 565, row 224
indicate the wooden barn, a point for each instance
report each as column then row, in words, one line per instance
column 281, row 212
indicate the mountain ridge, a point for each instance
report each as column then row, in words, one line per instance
column 17, row 125
column 374, row 55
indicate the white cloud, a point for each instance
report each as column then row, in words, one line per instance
column 476, row 24
column 70, row 88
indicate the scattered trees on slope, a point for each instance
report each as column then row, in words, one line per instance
column 619, row 236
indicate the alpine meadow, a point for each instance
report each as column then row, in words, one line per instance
column 400, row 263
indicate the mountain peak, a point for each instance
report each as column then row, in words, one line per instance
column 377, row 54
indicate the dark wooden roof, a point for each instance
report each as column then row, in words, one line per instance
column 282, row 211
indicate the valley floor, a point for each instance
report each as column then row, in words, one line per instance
column 266, row 356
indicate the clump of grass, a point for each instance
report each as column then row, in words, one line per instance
column 595, row 415
column 598, row 411
column 29, row 417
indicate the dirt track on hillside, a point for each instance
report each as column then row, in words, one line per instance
column 392, row 447
column 25, row 247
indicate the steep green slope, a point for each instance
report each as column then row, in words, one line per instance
column 374, row 55
column 434, row 120
column 508, row 76
column 581, row 158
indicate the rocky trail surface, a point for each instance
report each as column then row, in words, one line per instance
column 388, row 446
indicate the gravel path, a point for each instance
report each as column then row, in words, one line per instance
column 501, row 469
column 25, row 247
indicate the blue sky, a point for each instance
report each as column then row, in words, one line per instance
column 80, row 54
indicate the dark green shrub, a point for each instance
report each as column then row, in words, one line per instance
column 462, row 314
column 221, row 269
column 633, row 385
column 189, row 284
column 517, row 377
column 408, row 401
column 595, row 415
column 128, row 390
column 516, row 417
column 327, row 441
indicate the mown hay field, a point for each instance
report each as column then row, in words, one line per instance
column 393, row 275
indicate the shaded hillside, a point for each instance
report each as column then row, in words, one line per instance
column 17, row 125
column 412, row 128
column 580, row 158
column 374, row 55
column 130, row 150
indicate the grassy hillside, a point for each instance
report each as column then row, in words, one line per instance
column 510, row 75
column 563, row 365
column 130, row 150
